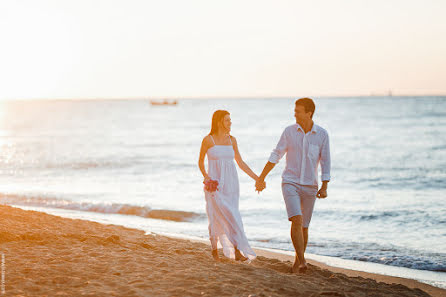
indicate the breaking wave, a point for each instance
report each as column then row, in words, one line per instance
column 113, row 208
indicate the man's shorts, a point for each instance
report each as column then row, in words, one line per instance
column 299, row 201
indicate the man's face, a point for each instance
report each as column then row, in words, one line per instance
column 300, row 114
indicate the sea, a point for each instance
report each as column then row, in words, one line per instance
column 131, row 163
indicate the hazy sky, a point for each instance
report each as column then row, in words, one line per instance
column 182, row 48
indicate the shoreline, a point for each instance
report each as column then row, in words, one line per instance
column 411, row 283
column 47, row 253
column 150, row 226
column 322, row 262
column 286, row 256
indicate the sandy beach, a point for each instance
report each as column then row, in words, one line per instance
column 46, row 255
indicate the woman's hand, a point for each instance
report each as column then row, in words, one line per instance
column 260, row 185
column 206, row 179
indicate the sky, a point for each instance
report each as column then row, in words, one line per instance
column 207, row 48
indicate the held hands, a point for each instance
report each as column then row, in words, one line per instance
column 260, row 185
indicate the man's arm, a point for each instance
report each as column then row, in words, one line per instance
column 260, row 184
column 268, row 167
column 325, row 168
column 276, row 155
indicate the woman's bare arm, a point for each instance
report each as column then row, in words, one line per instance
column 238, row 158
column 204, row 148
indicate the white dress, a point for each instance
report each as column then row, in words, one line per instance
column 222, row 206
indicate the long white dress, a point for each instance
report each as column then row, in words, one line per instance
column 222, row 206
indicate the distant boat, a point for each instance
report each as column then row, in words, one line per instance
column 164, row 102
column 382, row 94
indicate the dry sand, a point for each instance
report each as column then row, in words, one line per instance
column 47, row 255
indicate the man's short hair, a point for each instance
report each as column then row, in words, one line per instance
column 308, row 105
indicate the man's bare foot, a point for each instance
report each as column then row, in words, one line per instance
column 295, row 267
column 303, row 268
column 239, row 256
column 215, row 255
column 298, row 268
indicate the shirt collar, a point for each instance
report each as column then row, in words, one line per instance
column 313, row 129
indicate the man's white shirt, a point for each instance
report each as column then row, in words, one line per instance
column 304, row 152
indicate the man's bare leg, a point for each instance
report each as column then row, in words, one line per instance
column 305, row 233
column 297, row 236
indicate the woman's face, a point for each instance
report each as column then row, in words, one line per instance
column 226, row 123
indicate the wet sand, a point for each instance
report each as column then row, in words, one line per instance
column 46, row 255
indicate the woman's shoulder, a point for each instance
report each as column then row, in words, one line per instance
column 207, row 139
column 233, row 140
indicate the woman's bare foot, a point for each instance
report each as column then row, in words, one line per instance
column 239, row 256
column 215, row 255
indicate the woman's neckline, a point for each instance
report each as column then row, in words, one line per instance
column 213, row 140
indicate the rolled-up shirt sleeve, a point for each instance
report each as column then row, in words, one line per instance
column 325, row 160
column 280, row 149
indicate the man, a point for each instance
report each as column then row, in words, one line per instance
column 306, row 145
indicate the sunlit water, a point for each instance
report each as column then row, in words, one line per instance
column 386, row 199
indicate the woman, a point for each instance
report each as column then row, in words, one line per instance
column 225, row 222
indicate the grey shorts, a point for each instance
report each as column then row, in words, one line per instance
column 299, row 201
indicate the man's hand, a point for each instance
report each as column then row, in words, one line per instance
column 260, row 182
column 322, row 193
column 260, row 185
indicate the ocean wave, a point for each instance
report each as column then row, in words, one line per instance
column 367, row 215
column 74, row 165
column 371, row 217
column 437, row 114
column 77, row 165
column 113, row 208
column 433, row 263
column 367, row 252
column 439, row 148
column 401, row 217
column 417, row 183
column 382, row 254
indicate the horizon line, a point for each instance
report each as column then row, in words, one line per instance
column 155, row 98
